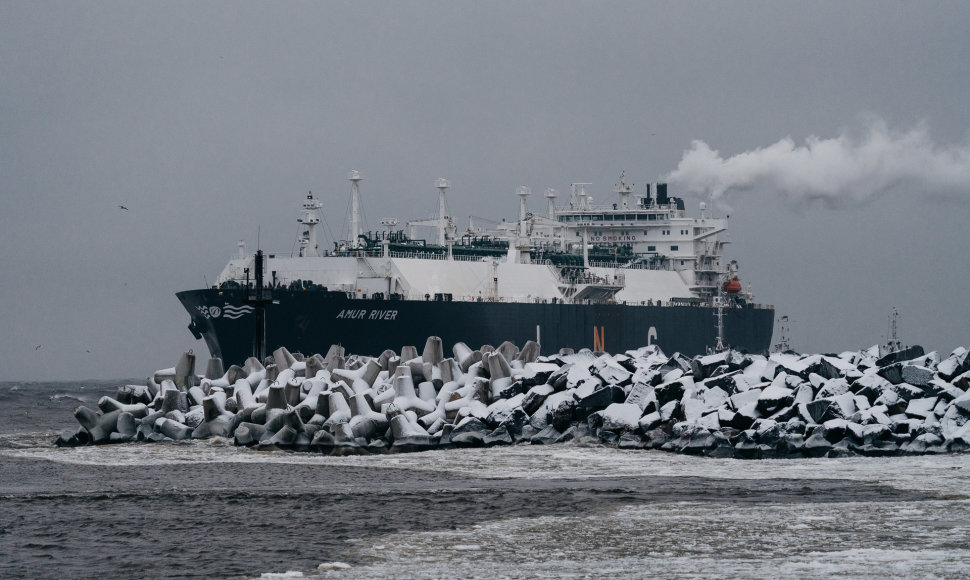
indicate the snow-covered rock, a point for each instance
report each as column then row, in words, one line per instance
column 724, row 405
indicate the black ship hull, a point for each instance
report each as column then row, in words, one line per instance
column 310, row 321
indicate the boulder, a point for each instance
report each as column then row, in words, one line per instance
column 700, row 442
column 469, row 432
column 620, row 417
column 774, row 397
column 602, row 398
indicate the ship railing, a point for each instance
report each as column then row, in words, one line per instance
column 610, row 207
column 544, row 300
column 627, row 266
column 442, row 257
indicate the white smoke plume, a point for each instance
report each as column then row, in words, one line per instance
column 840, row 171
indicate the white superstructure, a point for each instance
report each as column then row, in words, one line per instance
column 640, row 249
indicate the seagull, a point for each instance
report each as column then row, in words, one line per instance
column 38, row 347
column 123, row 207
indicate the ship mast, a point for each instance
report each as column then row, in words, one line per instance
column 551, row 196
column 355, row 179
column 720, row 344
column 624, row 191
column 309, row 219
column 523, row 193
column 577, row 195
column 442, row 186
column 258, row 297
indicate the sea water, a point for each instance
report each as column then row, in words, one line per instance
column 207, row 509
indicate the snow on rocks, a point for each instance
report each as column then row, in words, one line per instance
column 727, row 404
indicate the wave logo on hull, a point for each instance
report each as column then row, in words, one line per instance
column 233, row 312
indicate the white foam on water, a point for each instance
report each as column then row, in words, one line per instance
column 899, row 539
column 948, row 474
column 690, row 540
column 333, row 566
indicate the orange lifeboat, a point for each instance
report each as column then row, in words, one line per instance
column 732, row 286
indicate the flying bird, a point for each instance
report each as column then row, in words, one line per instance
column 38, row 347
column 123, row 207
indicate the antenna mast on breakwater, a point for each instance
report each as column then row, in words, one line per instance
column 893, row 344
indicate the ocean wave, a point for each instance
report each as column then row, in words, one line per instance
column 68, row 396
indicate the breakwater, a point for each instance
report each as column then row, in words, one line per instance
column 728, row 404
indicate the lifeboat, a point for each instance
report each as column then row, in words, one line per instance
column 732, row 286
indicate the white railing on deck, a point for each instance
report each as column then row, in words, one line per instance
column 443, row 257
column 639, row 266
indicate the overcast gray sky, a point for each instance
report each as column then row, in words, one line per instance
column 209, row 120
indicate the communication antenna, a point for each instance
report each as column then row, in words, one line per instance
column 893, row 344
column 720, row 344
column 783, row 343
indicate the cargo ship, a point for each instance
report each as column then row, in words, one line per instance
column 615, row 277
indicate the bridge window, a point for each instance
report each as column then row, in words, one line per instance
column 674, row 248
column 651, row 248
